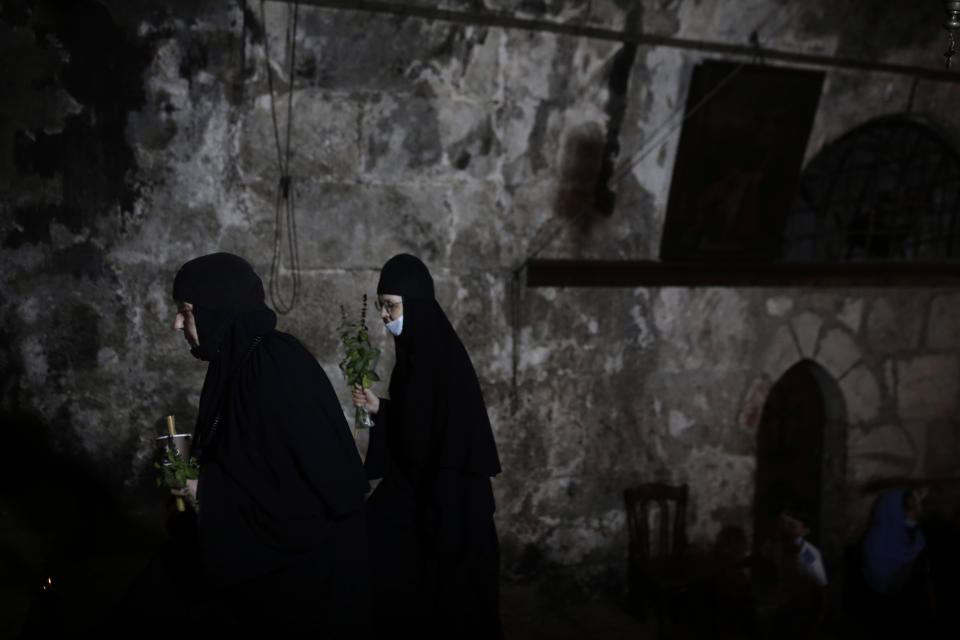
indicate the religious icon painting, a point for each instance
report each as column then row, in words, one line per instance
column 738, row 161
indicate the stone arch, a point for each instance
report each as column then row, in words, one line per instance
column 828, row 504
column 833, row 470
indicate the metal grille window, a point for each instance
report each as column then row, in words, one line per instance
column 888, row 190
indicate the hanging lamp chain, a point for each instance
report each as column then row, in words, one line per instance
column 951, row 25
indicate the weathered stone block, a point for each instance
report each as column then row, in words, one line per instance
column 927, row 386
column 481, row 230
column 878, row 453
column 838, row 352
column 707, row 328
column 943, row 449
column 851, row 314
column 779, row 306
column 324, row 140
column 780, row 353
column 861, row 394
column 349, row 225
column 586, row 538
column 943, row 331
column 366, row 51
column 806, row 326
column 678, row 422
column 756, row 397
column 892, row 325
column 918, row 432
column 400, row 137
column 717, row 480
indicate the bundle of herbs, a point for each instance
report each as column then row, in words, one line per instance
column 177, row 466
column 175, row 471
column 360, row 359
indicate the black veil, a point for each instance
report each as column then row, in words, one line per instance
column 443, row 421
column 230, row 313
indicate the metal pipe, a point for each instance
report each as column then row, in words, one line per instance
column 508, row 21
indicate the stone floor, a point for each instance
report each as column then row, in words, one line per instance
column 83, row 592
column 91, row 569
column 527, row 612
column 93, row 560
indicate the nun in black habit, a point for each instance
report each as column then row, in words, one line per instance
column 280, row 495
column 434, row 554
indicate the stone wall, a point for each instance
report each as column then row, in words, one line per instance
column 136, row 137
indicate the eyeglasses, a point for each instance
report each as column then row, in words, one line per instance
column 389, row 306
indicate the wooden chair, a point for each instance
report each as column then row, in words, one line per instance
column 659, row 569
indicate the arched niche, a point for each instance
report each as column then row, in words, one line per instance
column 801, row 458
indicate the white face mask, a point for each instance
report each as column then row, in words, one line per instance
column 395, row 326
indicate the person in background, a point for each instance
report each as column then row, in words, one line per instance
column 791, row 602
column 731, row 581
column 281, row 489
column 434, row 552
column 899, row 593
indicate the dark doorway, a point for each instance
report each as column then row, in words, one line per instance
column 790, row 453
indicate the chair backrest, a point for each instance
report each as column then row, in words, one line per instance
column 656, row 520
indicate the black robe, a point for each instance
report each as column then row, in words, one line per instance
column 282, row 532
column 281, row 527
column 280, row 536
column 434, row 553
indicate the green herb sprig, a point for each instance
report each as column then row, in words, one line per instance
column 175, row 471
column 357, row 365
column 360, row 357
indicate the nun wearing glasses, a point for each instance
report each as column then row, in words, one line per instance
column 434, row 551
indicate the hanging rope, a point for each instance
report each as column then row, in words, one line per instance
column 284, row 206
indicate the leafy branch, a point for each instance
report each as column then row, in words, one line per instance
column 175, row 471
column 360, row 358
